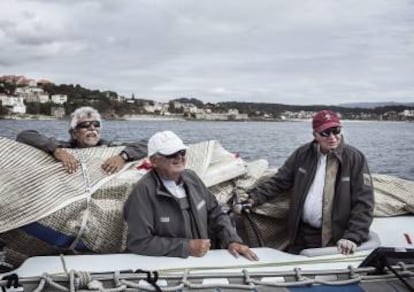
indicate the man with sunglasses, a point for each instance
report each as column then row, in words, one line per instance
column 332, row 198
column 85, row 131
column 171, row 212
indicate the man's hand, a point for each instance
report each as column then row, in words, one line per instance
column 237, row 249
column 243, row 206
column 113, row 164
column 346, row 246
column 70, row 163
column 199, row 247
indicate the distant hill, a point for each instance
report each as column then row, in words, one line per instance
column 372, row 105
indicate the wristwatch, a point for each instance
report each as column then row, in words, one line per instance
column 124, row 156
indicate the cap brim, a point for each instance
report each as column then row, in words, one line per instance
column 172, row 150
column 327, row 126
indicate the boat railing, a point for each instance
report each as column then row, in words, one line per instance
column 189, row 280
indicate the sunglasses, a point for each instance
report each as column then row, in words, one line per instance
column 174, row 155
column 327, row 133
column 88, row 124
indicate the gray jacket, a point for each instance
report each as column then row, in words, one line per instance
column 33, row 138
column 155, row 219
column 353, row 203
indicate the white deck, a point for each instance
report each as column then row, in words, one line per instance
column 390, row 230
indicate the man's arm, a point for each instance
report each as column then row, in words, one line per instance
column 362, row 203
column 274, row 185
column 51, row 146
column 142, row 238
column 131, row 152
column 39, row 141
column 220, row 224
column 136, row 151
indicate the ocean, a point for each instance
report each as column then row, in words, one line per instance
column 388, row 146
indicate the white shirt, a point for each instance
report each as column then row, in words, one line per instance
column 177, row 191
column 312, row 210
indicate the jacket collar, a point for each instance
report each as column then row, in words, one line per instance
column 338, row 152
column 162, row 190
column 74, row 144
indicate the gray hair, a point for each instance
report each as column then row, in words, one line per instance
column 82, row 113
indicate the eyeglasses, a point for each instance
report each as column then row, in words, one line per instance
column 327, row 133
column 88, row 124
column 174, row 155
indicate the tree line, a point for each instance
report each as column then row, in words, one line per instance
column 108, row 104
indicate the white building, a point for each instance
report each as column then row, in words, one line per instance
column 407, row 113
column 43, row 98
column 14, row 104
column 59, row 98
column 162, row 108
column 30, row 93
column 3, row 98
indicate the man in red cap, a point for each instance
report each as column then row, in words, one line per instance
column 332, row 197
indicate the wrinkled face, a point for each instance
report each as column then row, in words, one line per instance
column 170, row 166
column 328, row 139
column 87, row 133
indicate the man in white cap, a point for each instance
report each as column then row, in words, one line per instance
column 171, row 212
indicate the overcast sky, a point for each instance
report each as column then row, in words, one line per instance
column 290, row 51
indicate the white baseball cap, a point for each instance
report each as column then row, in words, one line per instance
column 165, row 143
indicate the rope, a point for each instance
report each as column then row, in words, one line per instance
column 300, row 280
column 87, row 179
column 398, row 275
column 119, row 286
column 3, row 257
column 152, row 287
column 152, row 278
column 41, row 285
column 255, row 228
column 62, row 260
column 84, row 281
column 46, row 279
column 7, row 265
column 235, row 200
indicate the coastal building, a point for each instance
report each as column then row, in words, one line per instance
column 43, row 98
column 14, row 104
column 300, row 115
column 231, row 115
column 59, row 98
column 32, row 94
column 57, row 111
column 3, row 97
column 177, row 105
column 407, row 114
column 156, row 107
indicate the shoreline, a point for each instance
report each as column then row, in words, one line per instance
column 150, row 118
column 30, row 118
column 173, row 118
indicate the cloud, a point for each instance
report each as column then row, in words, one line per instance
column 270, row 50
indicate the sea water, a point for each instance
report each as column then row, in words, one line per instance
column 388, row 146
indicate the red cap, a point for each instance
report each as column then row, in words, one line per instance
column 324, row 120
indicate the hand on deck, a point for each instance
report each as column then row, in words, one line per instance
column 113, row 164
column 199, row 247
column 346, row 246
column 237, row 249
column 70, row 163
